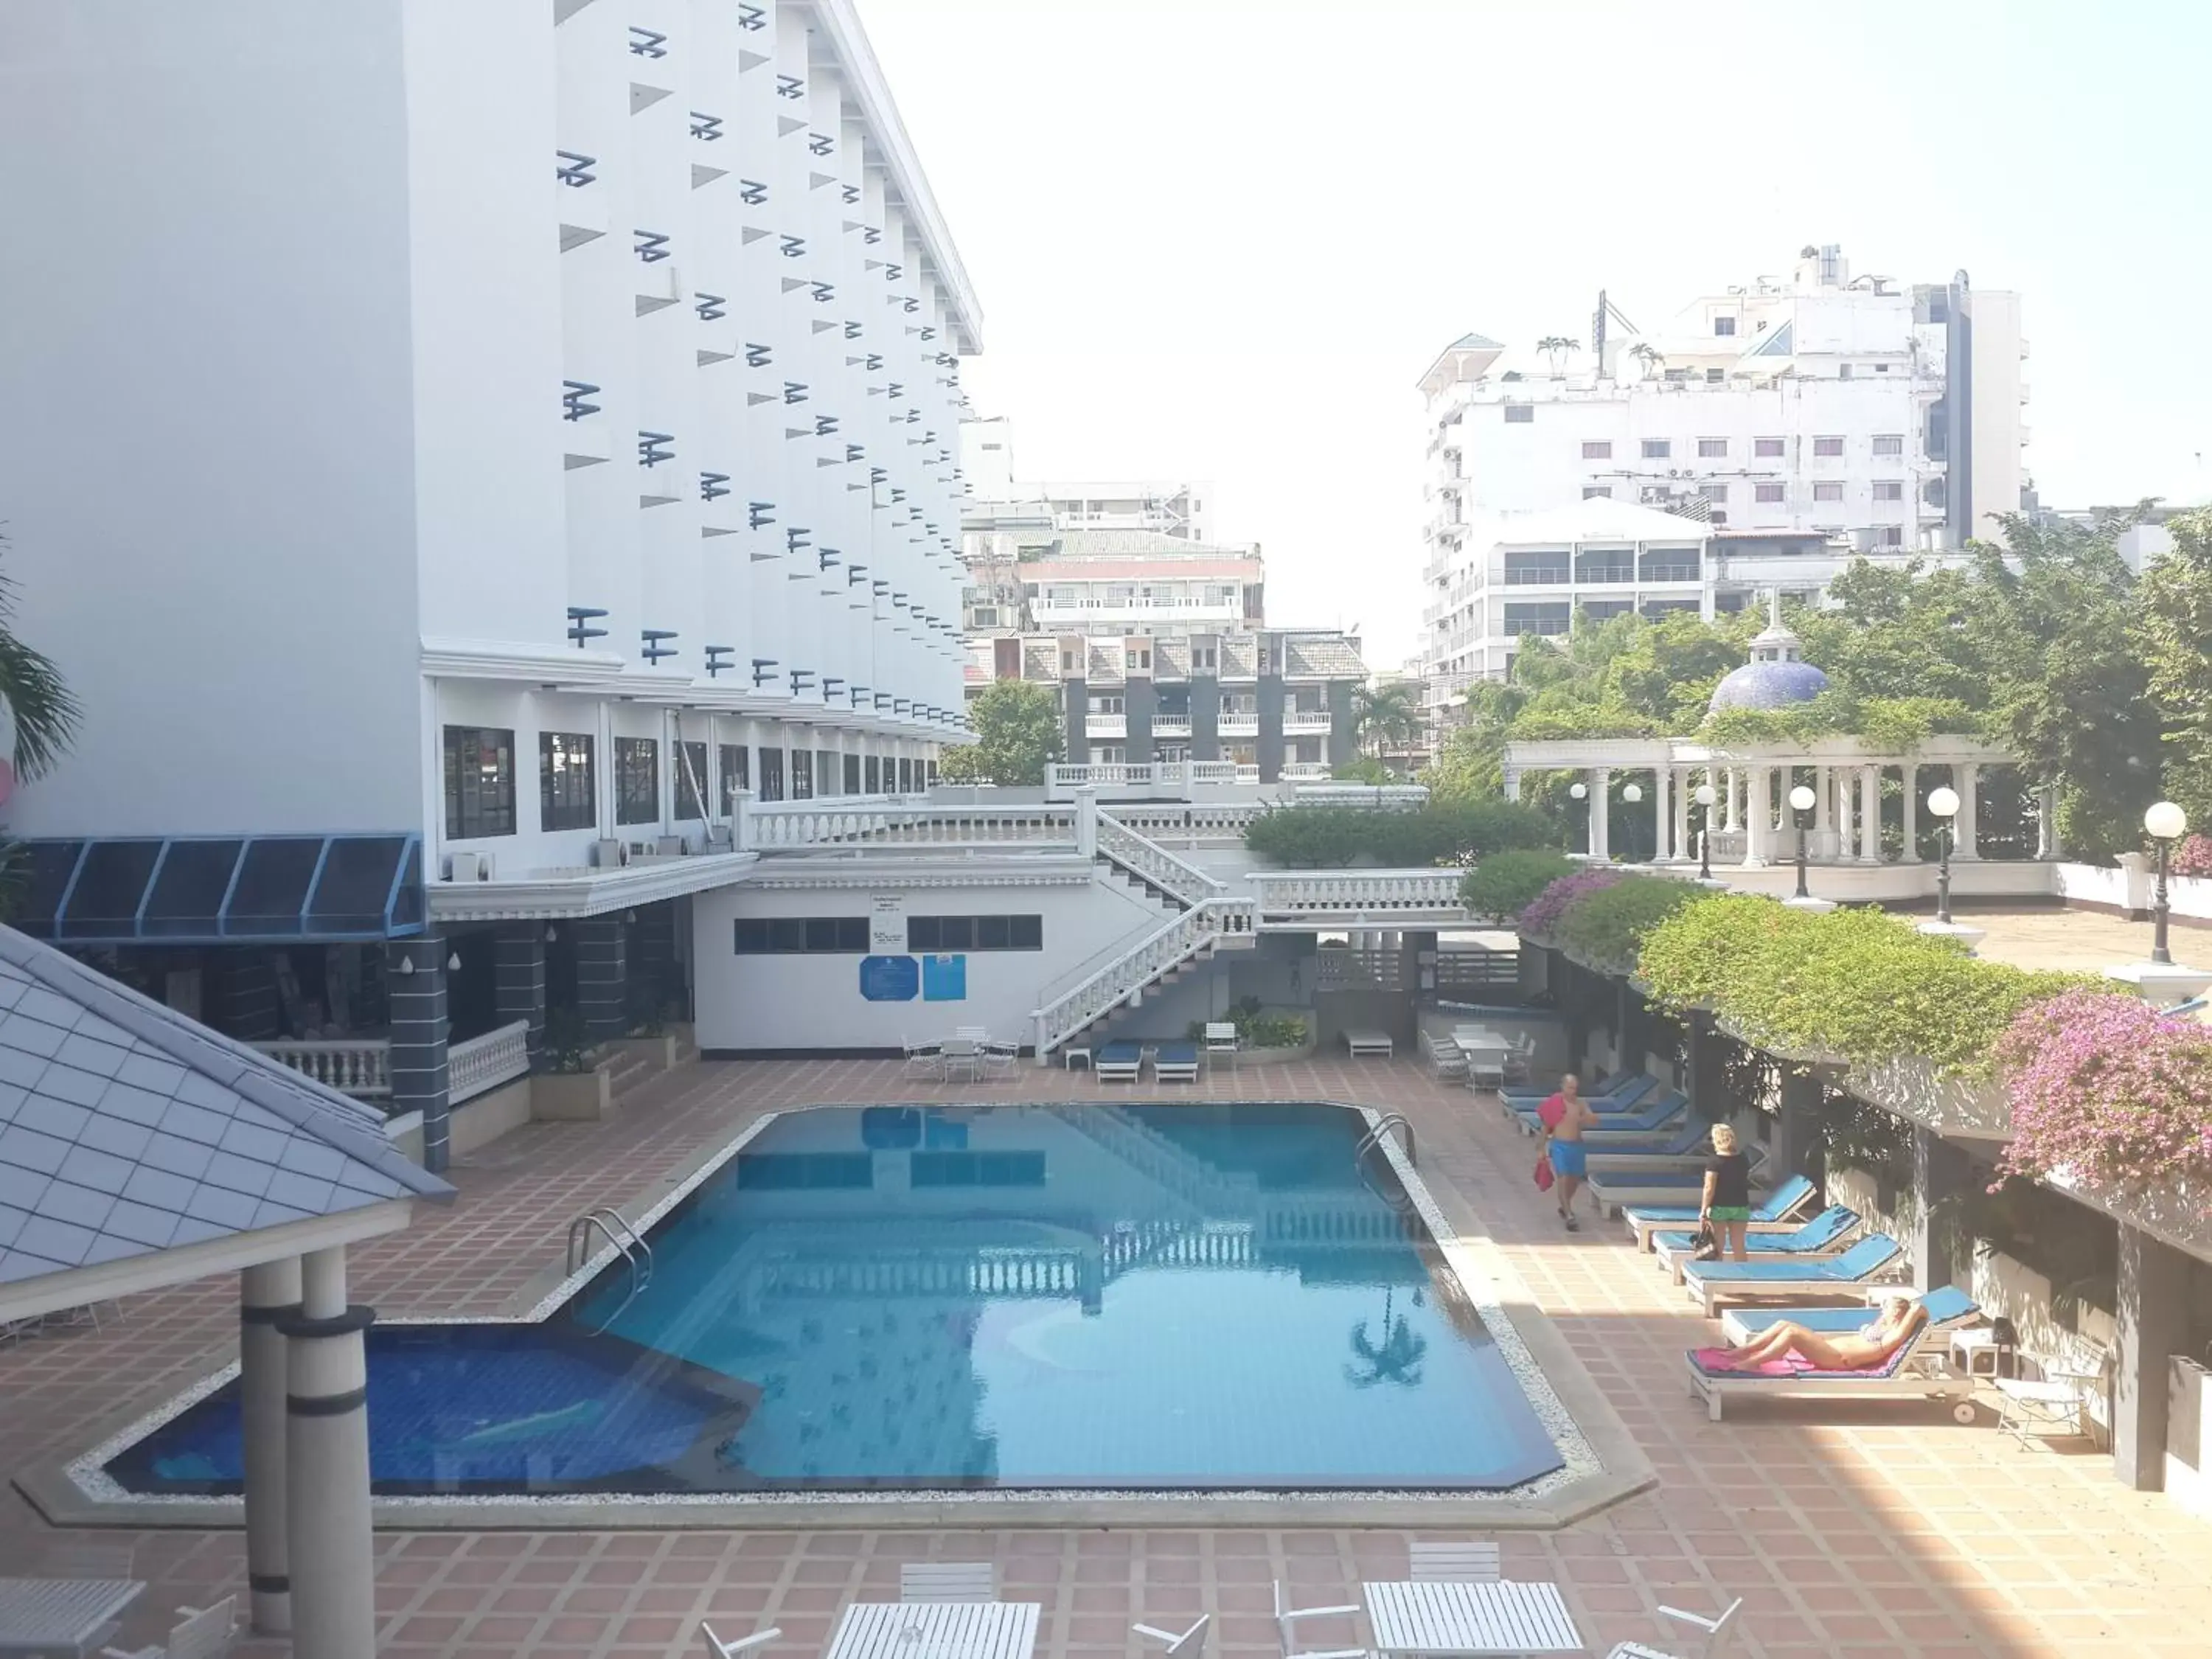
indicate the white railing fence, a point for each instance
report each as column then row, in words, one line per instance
column 787, row 826
column 1157, row 953
column 1226, row 822
column 360, row 1067
column 1380, row 894
column 483, row 1063
column 1149, row 861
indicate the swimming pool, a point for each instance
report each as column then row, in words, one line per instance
column 1072, row 1297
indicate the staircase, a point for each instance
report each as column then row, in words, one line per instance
column 1120, row 977
column 1151, row 866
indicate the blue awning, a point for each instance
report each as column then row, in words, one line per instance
column 222, row 889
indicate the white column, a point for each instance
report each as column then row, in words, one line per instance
column 2046, row 822
column 1662, row 814
column 267, row 1293
column 1909, row 772
column 326, row 1468
column 1731, row 792
column 1969, row 846
column 1601, row 788
column 1086, row 821
column 1824, row 791
column 1870, row 814
column 1682, row 788
column 1758, row 827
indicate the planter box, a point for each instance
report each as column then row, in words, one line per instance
column 658, row 1052
column 1247, row 1058
column 1976, row 1108
column 570, row 1097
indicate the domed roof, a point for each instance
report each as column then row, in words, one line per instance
column 1776, row 676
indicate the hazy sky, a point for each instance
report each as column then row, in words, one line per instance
column 1221, row 239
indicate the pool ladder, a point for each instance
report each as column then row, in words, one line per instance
column 614, row 1226
column 1381, row 1132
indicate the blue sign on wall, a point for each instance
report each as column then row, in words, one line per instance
column 945, row 979
column 889, row 979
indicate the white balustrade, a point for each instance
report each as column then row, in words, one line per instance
column 482, row 1063
column 1175, row 942
column 1368, row 797
column 1226, row 821
column 360, row 1067
column 793, row 826
column 1359, row 893
column 1153, row 863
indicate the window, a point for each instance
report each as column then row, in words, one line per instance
column 479, row 782
column 1597, row 492
column 1893, row 536
column 1712, row 449
column 566, row 799
column 1827, row 446
column 637, row 780
column 1670, row 564
column 1889, row 443
column 1605, row 610
column 1679, row 376
column 871, row 775
column 1889, row 489
column 1520, row 414
column 1828, row 492
column 797, row 936
column 851, row 775
column 771, row 778
column 1138, row 658
column 1723, row 325
column 802, row 775
column 1714, row 492
column 1655, row 609
column 1546, row 618
column 1598, row 450
column 1605, row 564
column 906, row 776
column 1657, row 449
column 1767, row 448
column 1769, row 492
column 1106, row 702
column 975, row 1169
column 1714, row 376
column 690, row 781
column 925, row 935
column 1532, row 569
column 736, row 776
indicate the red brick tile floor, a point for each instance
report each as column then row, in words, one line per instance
column 1885, row 1528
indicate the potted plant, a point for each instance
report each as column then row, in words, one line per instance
column 572, row 1088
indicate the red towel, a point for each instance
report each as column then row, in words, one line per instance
column 1550, row 1112
column 1717, row 1359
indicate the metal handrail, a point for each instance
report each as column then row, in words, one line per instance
column 1375, row 1136
column 629, row 1244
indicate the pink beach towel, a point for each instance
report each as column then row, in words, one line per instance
column 1550, row 1112
column 1717, row 1359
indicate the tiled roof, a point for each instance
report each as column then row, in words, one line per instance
column 1154, row 548
column 1240, row 657
column 1105, row 664
column 1041, row 662
column 1046, row 573
column 126, row 1129
column 1171, row 657
column 1326, row 659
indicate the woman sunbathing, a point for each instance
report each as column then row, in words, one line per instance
column 1868, row 1348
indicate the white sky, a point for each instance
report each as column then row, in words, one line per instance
column 1221, row 239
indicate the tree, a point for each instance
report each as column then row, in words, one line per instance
column 36, row 703
column 1650, row 356
column 1386, row 717
column 2175, row 629
column 1018, row 733
column 1557, row 346
column 962, row 765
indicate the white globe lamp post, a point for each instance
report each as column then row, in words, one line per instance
column 1800, row 802
column 1704, row 798
column 1943, row 804
column 2165, row 823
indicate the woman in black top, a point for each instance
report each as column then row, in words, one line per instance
column 1726, row 1202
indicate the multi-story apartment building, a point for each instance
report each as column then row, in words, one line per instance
column 488, row 446
column 1816, row 418
column 1107, row 582
column 1276, row 701
column 1181, row 508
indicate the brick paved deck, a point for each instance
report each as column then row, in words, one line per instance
column 1867, row 1531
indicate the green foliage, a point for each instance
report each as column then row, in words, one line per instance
column 1581, row 721
column 1505, row 883
column 1854, row 983
column 2175, row 627
column 1362, row 769
column 1317, row 837
column 1255, row 1029
column 46, row 713
column 1884, row 722
column 568, row 1045
column 1387, row 717
column 963, row 764
column 1607, row 927
column 1017, row 731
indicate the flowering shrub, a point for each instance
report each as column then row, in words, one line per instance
column 1541, row 918
column 2104, row 1087
column 1604, row 927
column 1505, row 883
column 2193, row 857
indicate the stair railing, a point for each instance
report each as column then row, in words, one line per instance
column 1128, row 969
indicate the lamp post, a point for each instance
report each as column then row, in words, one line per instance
column 1634, row 794
column 1943, row 806
column 1800, row 802
column 1581, row 792
column 2167, row 823
column 1704, row 798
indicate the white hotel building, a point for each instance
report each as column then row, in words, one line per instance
column 457, row 446
column 1800, row 422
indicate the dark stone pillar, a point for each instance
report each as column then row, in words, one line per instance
column 1270, row 697
column 1206, row 717
column 1703, row 1085
column 602, row 978
column 2154, row 1322
column 1793, row 1125
column 1343, row 731
column 1075, row 709
column 871, row 776
column 518, row 981
column 1939, row 1175
column 1139, row 698
column 657, row 972
column 415, row 987
column 242, row 1002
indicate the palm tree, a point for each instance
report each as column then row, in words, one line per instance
column 1649, row 354
column 1386, row 717
column 1397, row 1358
column 1556, row 346
column 38, row 716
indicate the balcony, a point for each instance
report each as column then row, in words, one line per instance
column 1306, row 721
column 1170, row 726
column 1239, row 722
column 1105, row 725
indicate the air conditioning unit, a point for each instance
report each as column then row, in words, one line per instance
column 469, row 866
column 609, row 854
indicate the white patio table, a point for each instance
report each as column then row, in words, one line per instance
column 49, row 1618
column 937, row 1630
column 1452, row 1617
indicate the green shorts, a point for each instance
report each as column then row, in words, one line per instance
column 1730, row 1212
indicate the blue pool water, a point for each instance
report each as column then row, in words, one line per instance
column 1065, row 1296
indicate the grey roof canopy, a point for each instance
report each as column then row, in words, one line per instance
column 127, row 1129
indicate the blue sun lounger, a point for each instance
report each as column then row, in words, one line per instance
column 1712, row 1282
column 1615, row 1096
column 1688, row 1142
column 1824, row 1234
column 1118, row 1062
column 1651, row 1118
column 1947, row 1307
column 1921, row 1369
column 1779, row 1210
column 1176, row 1062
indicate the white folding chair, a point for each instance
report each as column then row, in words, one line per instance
column 1716, row 1630
column 1468, row 1563
column 1188, row 1645
column 206, row 1632
column 948, row 1581
column 718, row 1649
column 1286, row 1618
column 962, row 1056
column 923, row 1060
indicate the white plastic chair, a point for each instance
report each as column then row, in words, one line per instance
column 1286, row 1618
column 962, row 1055
column 199, row 1633
column 923, row 1060
column 1716, row 1630
column 718, row 1649
column 1454, row 1563
column 948, row 1581
column 1188, row 1645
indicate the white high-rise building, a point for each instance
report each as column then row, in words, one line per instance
column 997, row 498
column 1801, row 421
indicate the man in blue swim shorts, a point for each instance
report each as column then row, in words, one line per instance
column 1565, row 1116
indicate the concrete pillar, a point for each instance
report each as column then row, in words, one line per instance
column 1870, row 814
column 1703, row 1085
column 1662, row 813
column 1684, row 848
column 2154, row 1325
column 2046, row 822
column 1824, row 794
column 1939, row 1175
column 1800, row 1097
column 1969, row 776
column 1910, row 772
column 1087, row 820
column 518, row 981
column 603, row 977
column 1731, row 792
column 1601, row 788
column 415, row 987
column 268, row 1294
column 326, row 1466
column 241, row 997
column 1758, row 827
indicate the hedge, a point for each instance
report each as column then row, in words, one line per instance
column 1443, row 832
column 1607, row 926
column 1505, row 883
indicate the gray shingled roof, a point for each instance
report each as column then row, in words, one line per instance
column 1329, row 659
column 126, row 1129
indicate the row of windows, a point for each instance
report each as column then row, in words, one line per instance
column 1604, row 564
column 1716, row 449
column 781, row 936
column 1556, row 615
column 481, row 776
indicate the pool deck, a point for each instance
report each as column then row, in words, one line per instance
column 1883, row 1528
